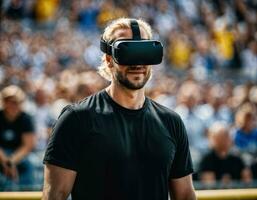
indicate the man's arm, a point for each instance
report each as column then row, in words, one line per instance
column 182, row 188
column 58, row 182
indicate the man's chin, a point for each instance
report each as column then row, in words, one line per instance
column 132, row 85
column 132, row 81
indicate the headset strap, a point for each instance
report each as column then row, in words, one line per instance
column 135, row 29
column 105, row 46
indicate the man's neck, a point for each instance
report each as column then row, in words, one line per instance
column 221, row 153
column 131, row 99
column 11, row 116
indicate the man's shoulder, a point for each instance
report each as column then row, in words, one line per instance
column 24, row 117
column 163, row 110
column 86, row 105
column 209, row 157
column 233, row 157
column 1, row 112
column 89, row 102
column 2, row 118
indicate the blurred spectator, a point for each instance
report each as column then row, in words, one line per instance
column 109, row 11
column 189, row 8
column 16, row 139
column 89, row 83
column 43, row 118
column 163, row 94
column 179, row 51
column 249, row 58
column 239, row 96
column 39, row 107
column 165, row 19
column 188, row 98
column 219, row 164
column 215, row 109
column 62, row 99
column 245, row 134
column 254, row 170
column 253, row 95
column 224, row 40
column 203, row 60
column 87, row 16
column 16, row 9
column 46, row 12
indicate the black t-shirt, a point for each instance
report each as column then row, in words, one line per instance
column 231, row 165
column 254, row 170
column 11, row 132
column 120, row 153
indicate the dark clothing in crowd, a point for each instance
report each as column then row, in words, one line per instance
column 230, row 165
column 11, row 131
column 254, row 170
column 16, row 10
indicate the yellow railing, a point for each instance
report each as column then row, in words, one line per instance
column 231, row 194
column 20, row 195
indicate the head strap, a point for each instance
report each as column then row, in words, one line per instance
column 135, row 29
column 105, row 46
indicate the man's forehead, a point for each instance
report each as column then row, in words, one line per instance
column 127, row 33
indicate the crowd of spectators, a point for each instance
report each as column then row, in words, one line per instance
column 50, row 49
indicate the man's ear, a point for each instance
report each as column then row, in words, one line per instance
column 108, row 59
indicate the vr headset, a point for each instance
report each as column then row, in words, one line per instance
column 135, row 51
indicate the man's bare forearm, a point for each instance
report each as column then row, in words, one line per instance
column 58, row 182
column 50, row 193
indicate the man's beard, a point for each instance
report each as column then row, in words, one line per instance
column 124, row 81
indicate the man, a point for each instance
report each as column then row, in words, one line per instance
column 119, row 144
column 17, row 140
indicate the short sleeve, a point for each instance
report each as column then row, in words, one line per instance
column 182, row 163
column 241, row 165
column 206, row 164
column 27, row 124
column 63, row 146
